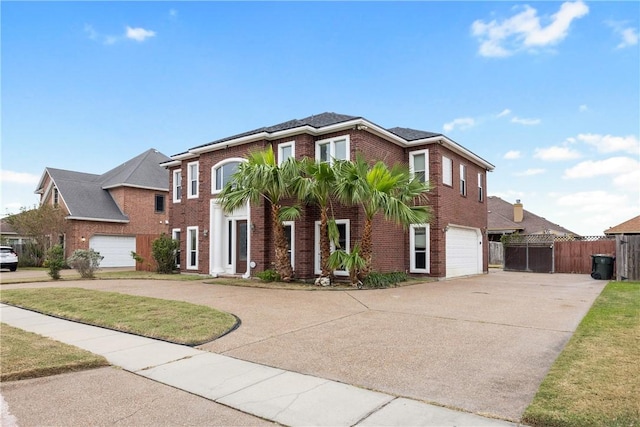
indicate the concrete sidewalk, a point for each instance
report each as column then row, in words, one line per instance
column 285, row 397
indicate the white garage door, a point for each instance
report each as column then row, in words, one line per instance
column 116, row 250
column 464, row 251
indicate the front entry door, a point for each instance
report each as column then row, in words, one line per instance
column 241, row 246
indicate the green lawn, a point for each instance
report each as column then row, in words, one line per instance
column 173, row 321
column 596, row 379
column 27, row 355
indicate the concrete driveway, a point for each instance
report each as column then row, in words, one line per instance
column 482, row 344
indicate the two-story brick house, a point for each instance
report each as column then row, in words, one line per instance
column 107, row 212
column 218, row 243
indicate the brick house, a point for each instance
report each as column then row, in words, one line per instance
column 108, row 212
column 240, row 243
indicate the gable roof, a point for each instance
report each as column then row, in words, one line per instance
column 500, row 219
column 86, row 195
column 331, row 122
column 631, row 226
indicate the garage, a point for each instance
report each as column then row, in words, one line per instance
column 464, row 251
column 116, row 250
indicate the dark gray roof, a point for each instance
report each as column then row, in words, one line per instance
column 315, row 121
column 500, row 217
column 86, row 195
column 412, row 134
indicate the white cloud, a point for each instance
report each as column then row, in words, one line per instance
column 610, row 143
column 552, row 154
column 583, row 108
column 531, row 172
column 504, row 112
column 610, row 166
column 173, row 13
column 524, row 30
column 512, row 155
column 526, row 122
column 629, row 35
column 139, row 34
column 18, row 177
column 586, row 201
column 630, row 180
column 460, row 123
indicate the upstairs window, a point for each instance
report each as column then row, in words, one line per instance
column 56, row 197
column 447, row 171
column 192, row 178
column 286, row 150
column 222, row 173
column 463, row 180
column 480, row 187
column 328, row 150
column 177, row 186
column 419, row 165
column 159, row 208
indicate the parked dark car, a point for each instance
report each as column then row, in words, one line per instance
column 8, row 258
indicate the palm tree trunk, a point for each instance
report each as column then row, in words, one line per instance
column 366, row 248
column 283, row 264
column 325, row 245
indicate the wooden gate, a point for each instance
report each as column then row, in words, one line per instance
column 628, row 257
column 144, row 244
column 574, row 256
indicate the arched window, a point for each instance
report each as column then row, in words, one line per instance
column 222, row 172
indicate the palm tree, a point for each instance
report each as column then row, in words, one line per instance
column 394, row 192
column 315, row 184
column 261, row 179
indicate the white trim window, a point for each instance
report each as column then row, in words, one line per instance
column 447, row 171
column 286, row 150
column 175, row 235
column 192, row 179
column 177, row 186
column 192, row 248
column 463, row 180
column 419, row 248
column 222, row 172
column 419, row 165
column 290, row 234
column 344, row 242
column 328, row 150
column 480, row 187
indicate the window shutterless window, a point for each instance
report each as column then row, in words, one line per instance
column 447, row 171
column 175, row 235
column 480, row 187
column 286, row 150
column 419, row 248
column 328, row 150
column 343, row 226
column 56, row 197
column 192, row 248
column 177, row 186
column 419, row 165
column 463, row 180
column 159, row 208
column 192, row 178
column 222, row 175
column 290, row 234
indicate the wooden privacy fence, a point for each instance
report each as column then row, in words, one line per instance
column 628, row 257
column 546, row 253
column 144, row 244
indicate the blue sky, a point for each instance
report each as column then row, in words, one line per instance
column 549, row 92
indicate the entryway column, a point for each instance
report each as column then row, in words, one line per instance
column 216, row 244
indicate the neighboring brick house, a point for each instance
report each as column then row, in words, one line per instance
column 505, row 218
column 107, row 212
column 217, row 243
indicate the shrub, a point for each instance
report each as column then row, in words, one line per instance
column 384, row 280
column 269, row 276
column 163, row 250
column 54, row 261
column 86, row 262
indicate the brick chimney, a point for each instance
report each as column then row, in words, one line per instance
column 518, row 211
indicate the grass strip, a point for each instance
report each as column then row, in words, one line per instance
column 596, row 379
column 174, row 321
column 67, row 275
column 26, row 355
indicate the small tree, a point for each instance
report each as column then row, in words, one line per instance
column 163, row 251
column 54, row 261
column 86, row 262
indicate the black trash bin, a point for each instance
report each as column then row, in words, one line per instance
column 602, row 266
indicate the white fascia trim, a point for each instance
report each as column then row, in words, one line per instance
column 171, row 164
column 166, row 190
column 453, row 146
column 79, row 218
